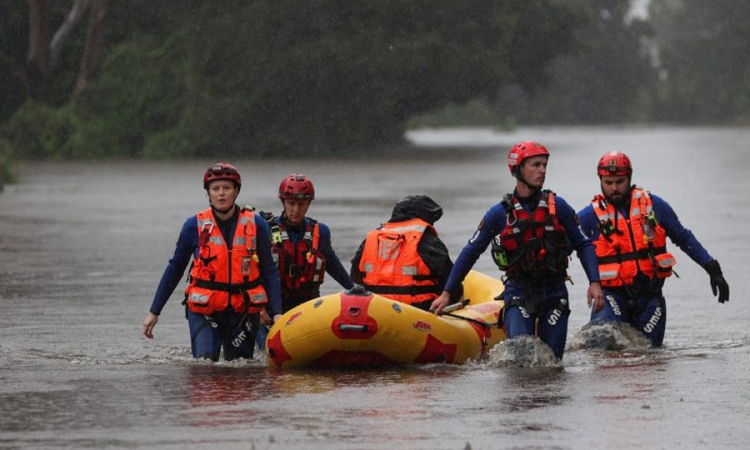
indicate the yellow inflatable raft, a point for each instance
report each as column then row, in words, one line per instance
column 358, row 328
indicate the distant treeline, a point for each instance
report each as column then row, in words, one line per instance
column 234, row 78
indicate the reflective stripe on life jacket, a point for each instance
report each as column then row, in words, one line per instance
column 302, row 266
column 392, row 265
column 626, row 247
column 219, row 274
column 533, row 246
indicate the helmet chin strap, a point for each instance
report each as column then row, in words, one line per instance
column 533, row 188
column 522, row 180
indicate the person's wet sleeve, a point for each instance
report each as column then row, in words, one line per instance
column 269, row 272
column 185, row 247
column 489, row 227
column 678, row 234
column 583, row 246
column 589, row 222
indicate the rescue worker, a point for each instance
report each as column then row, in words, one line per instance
column 533, row 232
column 302, row 245
column 404, row 259
column 233, row 276
column 629, row 226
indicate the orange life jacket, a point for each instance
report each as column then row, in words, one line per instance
column 533, row 245
column 221, row 279
column 627, row 247
column 392, row 265
column 302, row 266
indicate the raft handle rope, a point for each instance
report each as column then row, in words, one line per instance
column 456, row 306
column 481, row 323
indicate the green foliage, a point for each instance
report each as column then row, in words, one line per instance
column 283, row 77
column 338, row 75
column 7, row 174
column 606, row 80
column 39, row 131
column 138, row 96
column 475, row 113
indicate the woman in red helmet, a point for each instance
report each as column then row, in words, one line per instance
column 302, row 245
column 630, row 226
column 532, row 232
column 233, row 277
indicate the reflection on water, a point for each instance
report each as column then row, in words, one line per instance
column 538, row 387
column 83, row 245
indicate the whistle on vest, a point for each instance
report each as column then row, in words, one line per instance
column 606, row 228
column 647, row 225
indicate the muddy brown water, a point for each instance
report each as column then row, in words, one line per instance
column 82, row 247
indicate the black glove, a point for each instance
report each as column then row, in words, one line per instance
column 718, row 283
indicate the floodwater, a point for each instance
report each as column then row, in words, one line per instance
column 82, row 247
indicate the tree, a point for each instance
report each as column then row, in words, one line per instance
column 44, row 48
column 95, row 43
column 606, row 80
column 269, row 77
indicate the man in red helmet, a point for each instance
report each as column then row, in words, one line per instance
column 532, row 232
column 302, row 245
column 233, row 277
column 629, row 226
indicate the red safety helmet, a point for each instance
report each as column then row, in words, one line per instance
column 614, row 164
column 221, row 171
column 523, row 150
column 296, row 186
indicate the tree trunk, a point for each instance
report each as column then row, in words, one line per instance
column 95, row 42
column 72, row 19
column 38, row 65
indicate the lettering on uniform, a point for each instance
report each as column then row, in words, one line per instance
column 523, row 312
column 613, row 304
column 556, row 313
column 239, row 339
column 653, row 321
column 479, row 229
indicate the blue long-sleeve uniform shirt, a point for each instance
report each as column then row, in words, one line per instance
column 667, row 218
column 334, row 268
column 494, row 222
column 187, row 247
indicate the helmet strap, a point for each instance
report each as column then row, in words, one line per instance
column 533, row 188
column 520, row 178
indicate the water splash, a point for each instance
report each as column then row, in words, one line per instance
column 609, row 336
column 522, row 351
